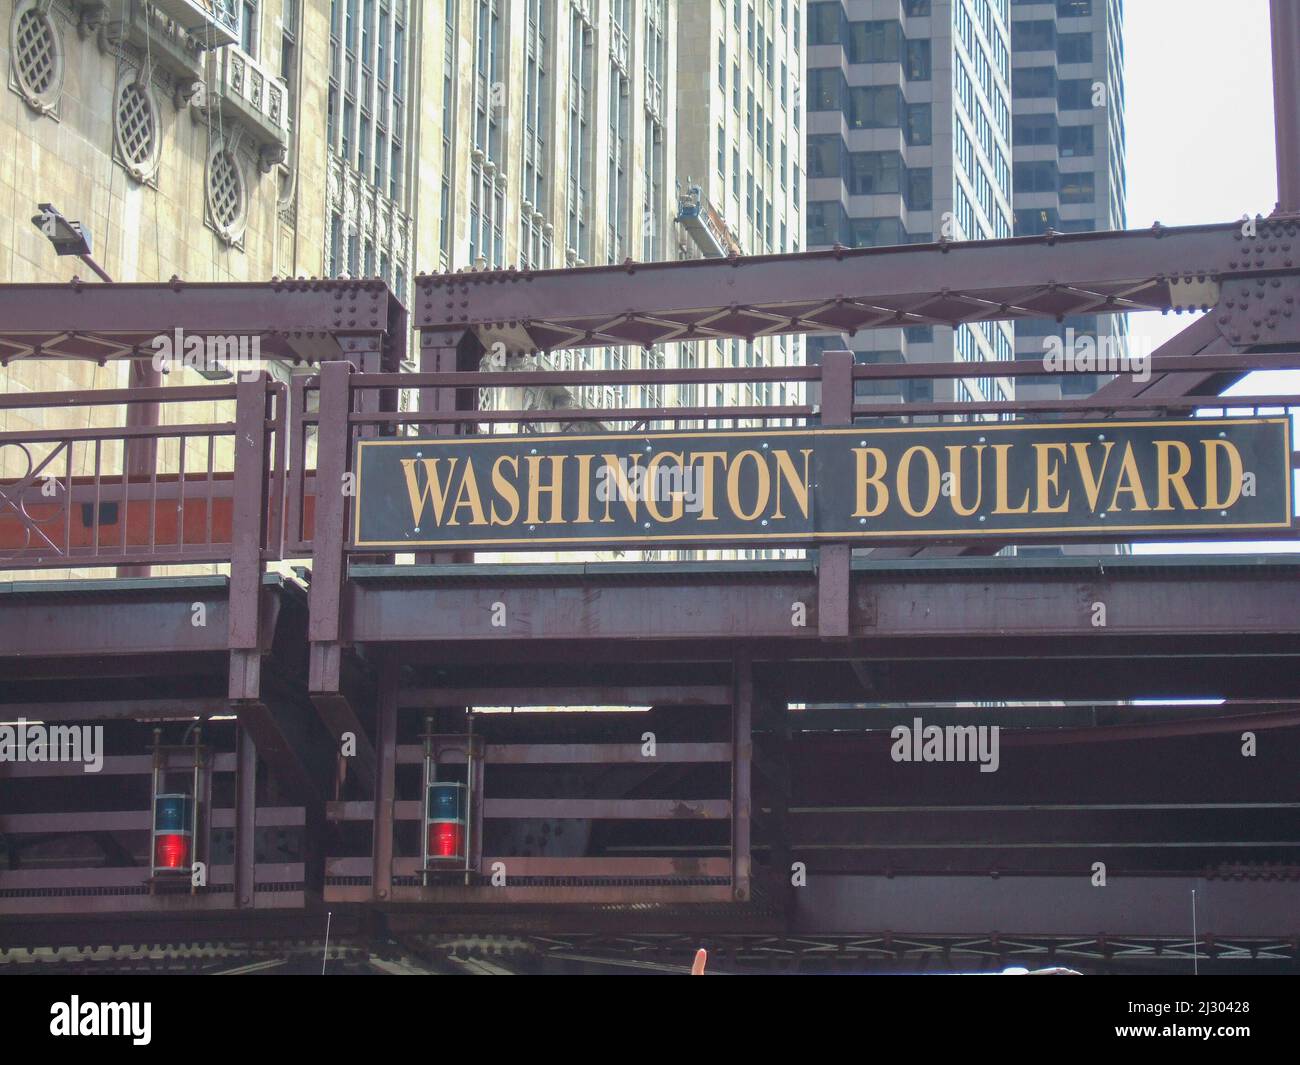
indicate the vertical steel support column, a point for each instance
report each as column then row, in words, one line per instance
column 833, row 560
column 247, row 534
column 366, row 354
column 742, row 743
column 1285, row 24
column 438, row 355
column 328, row 561
column 381, row 879
column 245, row 818
column 141, row 456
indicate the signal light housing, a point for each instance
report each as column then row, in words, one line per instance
column 173, row 832
column 444, row 820
column 180, row 792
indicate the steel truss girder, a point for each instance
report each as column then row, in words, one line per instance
column 844, row 290
column 308, row 321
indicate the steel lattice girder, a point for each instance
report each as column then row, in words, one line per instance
column 310, row 321
column 844, row 290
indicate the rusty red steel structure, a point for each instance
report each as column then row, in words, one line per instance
column 710, row 648
column 314, row 691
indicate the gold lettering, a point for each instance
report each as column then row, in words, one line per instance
column 865, row 481
column 505, row 489
column 1049, row 477
column 905, row 480
column 621, row 486
column 1212, row 500
column 555, row 490
column 468, row 496
column 1091, row 481
column 652, row 489
column 1129, row 481
column 584, row 489
column 786, row 472
column 706, row 480
column 1174, row 478
column 733, row 485
column 1001, row 478
column 434, row 491
column 954, row 465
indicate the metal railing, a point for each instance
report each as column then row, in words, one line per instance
column 450, row 406
column 164, row 494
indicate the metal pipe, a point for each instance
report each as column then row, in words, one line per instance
column 194, row 809
column 469, row 791
column 426, row 774
column 153, row 810
column 1284, row 18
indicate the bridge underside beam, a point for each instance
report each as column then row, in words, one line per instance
column 1062, row 600
column 1142, row 906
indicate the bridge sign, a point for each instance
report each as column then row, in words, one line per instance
column 1106, row 480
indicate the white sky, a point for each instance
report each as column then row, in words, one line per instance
column 1199, row 125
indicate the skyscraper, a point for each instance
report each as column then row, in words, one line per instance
column 967, row 119
column 1068, row 141
column 909, row 139
column 558, row 132
column 739, row 174
column 740, row 166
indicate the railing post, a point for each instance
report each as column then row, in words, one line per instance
column 248, row 530
column 834, row 559
column 333, row 438
column 439, row 354
column 141, row 457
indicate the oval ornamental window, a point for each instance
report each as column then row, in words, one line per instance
column 227, row 195
column 36, row 58
column 135, row 128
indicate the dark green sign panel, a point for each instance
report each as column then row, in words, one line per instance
column 1200, row 476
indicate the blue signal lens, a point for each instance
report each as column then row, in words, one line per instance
column 446, row 802
column 172, row 813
